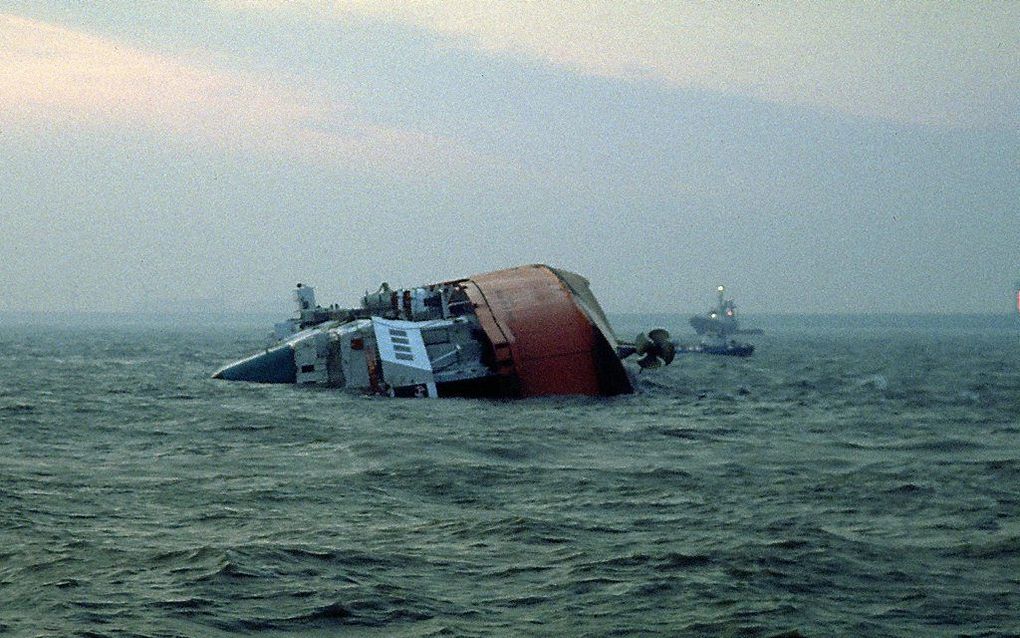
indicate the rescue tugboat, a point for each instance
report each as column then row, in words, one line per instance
column 521, row 332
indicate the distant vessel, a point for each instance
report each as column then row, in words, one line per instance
column 714, row 345
column 716, row 327
column 521, row 332
column 721, row 320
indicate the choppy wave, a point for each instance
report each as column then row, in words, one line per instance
column 827, row 485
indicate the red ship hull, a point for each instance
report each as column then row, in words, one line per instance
column 548, row 334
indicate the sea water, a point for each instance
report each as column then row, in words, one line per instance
column 854, row 477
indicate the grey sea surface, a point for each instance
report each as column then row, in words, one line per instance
column 857, row 476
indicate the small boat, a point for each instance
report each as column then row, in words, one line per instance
column 731, row 348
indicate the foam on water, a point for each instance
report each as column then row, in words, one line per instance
column 860, row 482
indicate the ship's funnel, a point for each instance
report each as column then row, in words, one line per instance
column 656, row 347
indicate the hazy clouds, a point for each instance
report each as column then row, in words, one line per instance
column 833, row 157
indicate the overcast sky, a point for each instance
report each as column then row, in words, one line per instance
column 820, row 157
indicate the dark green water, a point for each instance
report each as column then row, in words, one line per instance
column 850, row 479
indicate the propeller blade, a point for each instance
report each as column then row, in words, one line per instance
column 641, row 343
column 649, row 361
column 666, row 348
column 656, row 347
column 668, row 352
column 658, row 335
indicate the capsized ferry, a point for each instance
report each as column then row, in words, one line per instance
column 521, row 332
